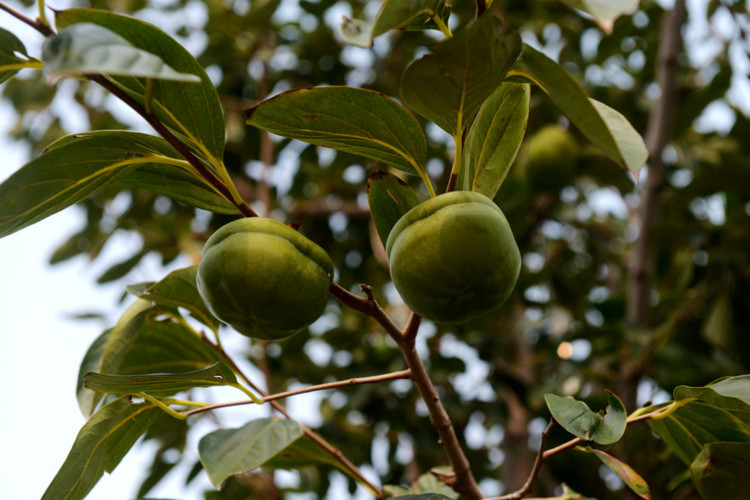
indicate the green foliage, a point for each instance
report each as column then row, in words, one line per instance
column 280, row 75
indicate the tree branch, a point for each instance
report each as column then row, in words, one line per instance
column 516, row 495
column 313, row 388
column 37, row 24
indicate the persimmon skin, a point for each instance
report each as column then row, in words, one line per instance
column 453, row 257
column 263, row 278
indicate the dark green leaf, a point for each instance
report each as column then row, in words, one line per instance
column 193, row 111
column 720, row 471
column 354, row 120
column 232, row 451
column 120, row 269
column 13, row 56
column 630, row 477
column 178, row 289
column 89, row 48
column 602, row 125
column 494, row 139
column 100, row 445
column 389, row 198
column 449, row 85
column 160, row 384
column 72, row 169
column 576, row 418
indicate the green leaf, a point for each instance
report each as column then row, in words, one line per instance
column 357, row 121
column 604, row 11
column 425, row 496
column 122, row 268
column 426, row 484
column 92, row 361
column 720, row 471
column 192, row 111
column 356, row 32
column 389, row 198
column 630, row 477
column 576, row 418
column 494, row 139
column 409, row 15
column 89, row 48
column 233, row 451
column 13, row 56
column 178, row 289
column 604, row 127
column 70, row 170
column 100, row 445
column 160, row 384
column 449, row 85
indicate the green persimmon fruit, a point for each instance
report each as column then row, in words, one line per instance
column 453, row 257
column 264, row 278
column 550, row 158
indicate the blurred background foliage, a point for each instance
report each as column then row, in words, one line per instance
column 564, row 330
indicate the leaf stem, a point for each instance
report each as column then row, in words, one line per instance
column 444, row 29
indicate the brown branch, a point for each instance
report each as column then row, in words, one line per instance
column 516, row 495
column 37, row 24
column 657, row 135
column 481, row 7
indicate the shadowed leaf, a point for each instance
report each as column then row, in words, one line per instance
column 389, row 198
column 720, row 471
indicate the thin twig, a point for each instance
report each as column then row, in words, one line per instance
column 34, row 23
column 313, row 388
column 516, row 495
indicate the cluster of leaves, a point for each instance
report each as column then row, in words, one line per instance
column 571, row 291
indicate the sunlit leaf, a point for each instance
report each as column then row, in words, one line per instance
column 604, row 11
column 389, row 198
column 100, row 445
column 604, row 127
column 160, row 384
column 193, row 111
column 349, row 119
column 631, row 478
column 720, row 471
column 448, row 85
column 356, row 32
column 494, row 138
column 232, row 451
column 409, row 15
column 89, row 48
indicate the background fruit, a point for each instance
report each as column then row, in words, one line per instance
column 264, row 278
column 549, row 158
column 453, row 257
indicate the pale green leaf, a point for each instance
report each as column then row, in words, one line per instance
column 448, row 85
column 576, row 417
column 89, row 48
column 356, row 32
column 233, row 451
column 494, row 138
column 604, row 11
column 160, row 384
column 409, row 15
column 100, row 445
column 354, row 120
column 192, row 111
column 603, row 126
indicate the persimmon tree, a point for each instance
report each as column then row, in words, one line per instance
column 445, row 160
